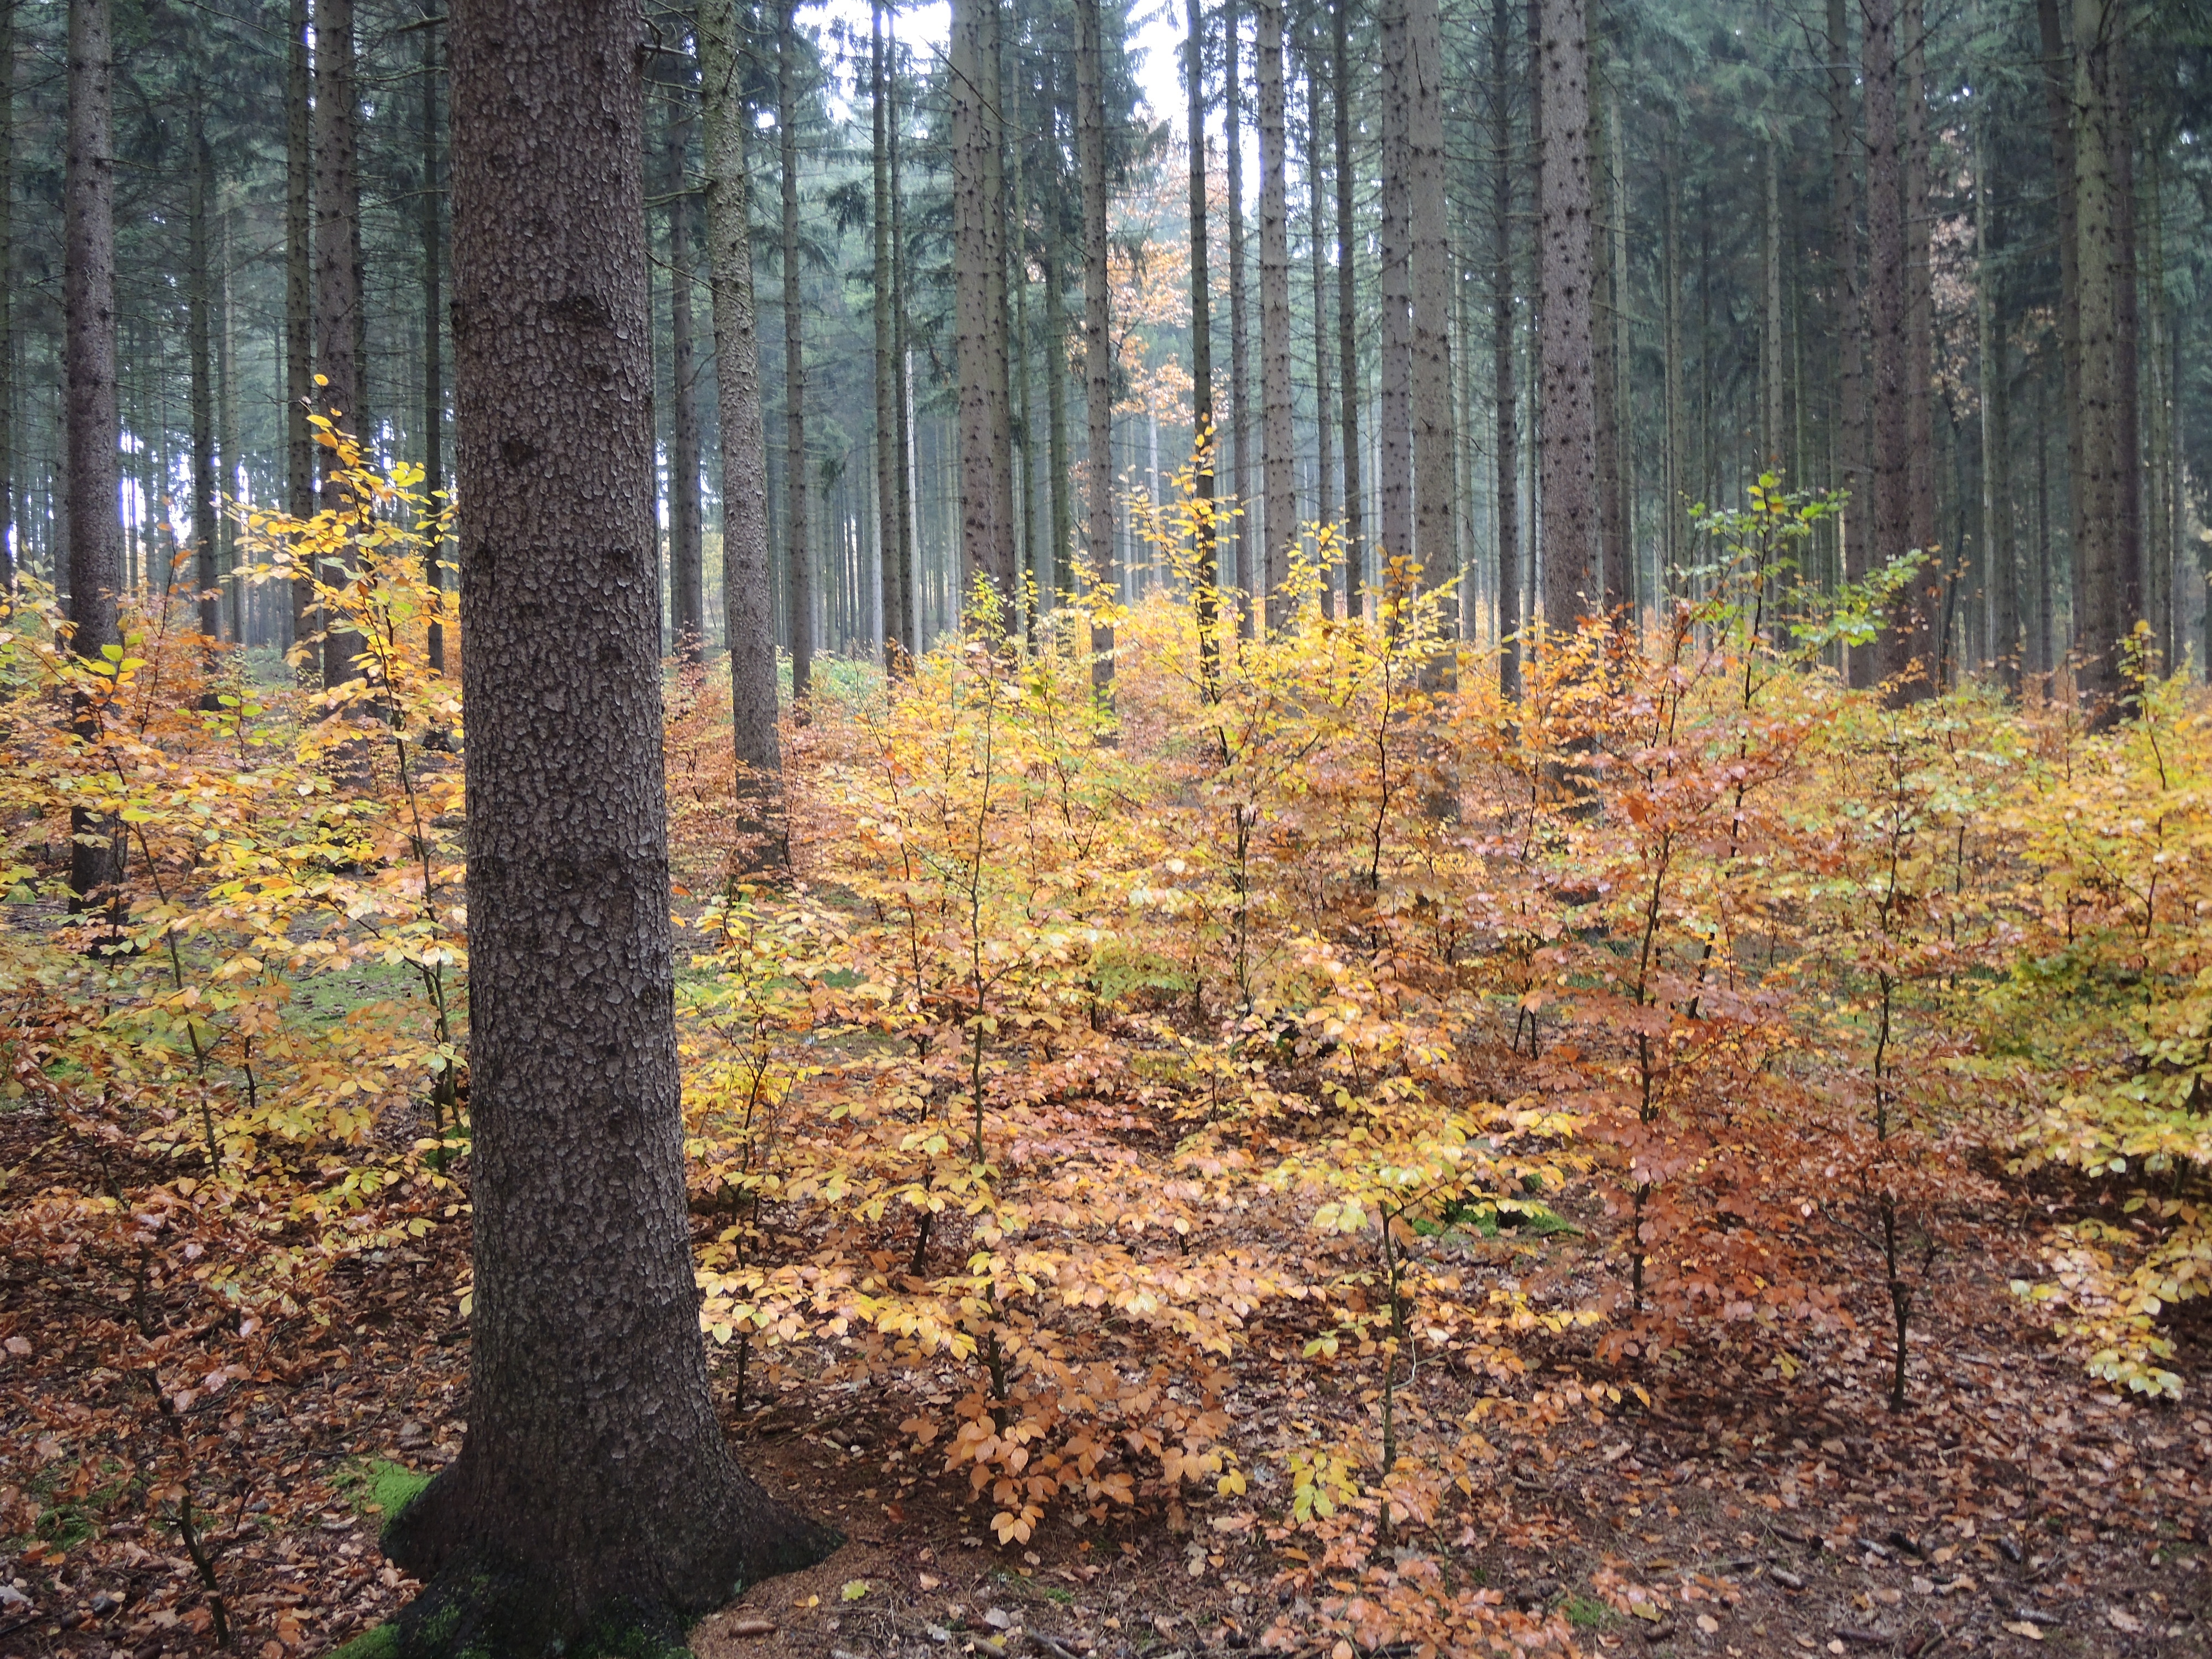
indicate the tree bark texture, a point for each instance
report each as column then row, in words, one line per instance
column 594, row 1489
column 979, row 257
column 687, row 564
column 886, row 382
column 1203, row 564
column 1280, row 525
column 299, row 298
column 799, row 553
column 2100, row 623
column 1848, row 320
column 1505, row 398
column 430, row 225
column 1569, row 435
column 1393, row 330
column 1097, row 342
column 1886, row 307
column 199, row 348
column 1240, row 361
column 1429, row 244
column 1347, row 321
column 339, row 319
column 748, row 601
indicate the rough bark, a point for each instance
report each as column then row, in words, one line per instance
column 1347, row 289
column 1201, row 345
column 2058, row 109
column 1505, row 397
column 1097, row 342
column 1316, row 60
column 8, row 469
column 1055, row 388
column 430, row 227
column 1240, row 384
column 299, row 300
column 92, row 434
column 339, row 319
column 1605, row 303
column 594, row 1491
column 1393, row 377
column 886, row 376
column 1569, row 436
column 199, row 348
column 1848, row 320
column 1920, row 338
column 687, row 565
column 1886, row 306
column 1428, row 243
column 2098, row 586
column 909, row 631
column 798, row 556
column 1280, row 526
column 1997, row 430
column 748, row 601
column 987, row 516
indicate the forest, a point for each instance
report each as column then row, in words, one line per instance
column 1335, row 827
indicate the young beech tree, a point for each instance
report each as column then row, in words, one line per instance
column 594, row 1503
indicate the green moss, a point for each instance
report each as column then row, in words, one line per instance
column 379, row 1486
column 381, row 1642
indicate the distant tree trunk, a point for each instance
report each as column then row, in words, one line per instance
column 1393, row 330
column 1771, row 439
column 1569, row 415
column 1849, row 322
column 2131, row 471
column 1240, row 389
column 2099, row 584
column 339, row 319
column 429, row 224
column 1612, row 524
column 798, row 549
column 1347, row 319
column 748, row 600
column 687, row 564
column 199, row 348
column 1997, row 429
column 2058, row 109
column 1097, row 341
column 895, row 661
column 1436, row 443
column 1056, row 385
column 594, row 1492
column 1934, row 581
column 1505, row 397
column 1034, row 572
column 909, row 628
column 8, row 471
column 94, row 435
column 1281, row 523
column 1886, row 243
column 1203, row 566
column 1317, row 244
column 1620, row 583
column 299, row 303
column 979, row 258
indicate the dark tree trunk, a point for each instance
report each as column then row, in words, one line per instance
column 1055, row 384
column 1569, row 435
column 1393, row 330
column 1848, row 322
column 909, row 615
column 1429, row 286
column 1279, row 524
column 888, row 459
column 199, row 348
column 1098, row 341
column 1504, row 395
column 430, row 226
column 1240, row 378
column 799, row 555
column 1347, row 315
column 8, row 468
column 93, row 436
column 338, row 315
column 594, row 1491
column 1202, row 349
column 979, row 260
column 1935, row 580
column 1325, row 510
column 687, row 564
column 1886, row 303
column 298, row 302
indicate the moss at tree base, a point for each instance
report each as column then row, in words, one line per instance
column 480, row 1613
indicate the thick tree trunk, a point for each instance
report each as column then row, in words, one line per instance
column 93, row 436
column 909, row 628
column 1240, row 384
column 1348, row 320
column 895, row 660
column 2058, row 108
column 1055, row 391
column 1620, row 583
column 1203, row 564
column 199, row 348
column 986, row 517
column 1996, row 431
column 1886, row 299
column 1317, row 60
column 2132, row 474
column 1281, row 524
column 1569, row 423
column 1934, row 579
column 8, row 572
column 799, row 551
column 1848, row 322
column 687, row 573
column 1505, row 397
column 430, row 227
column 1677, row 412
column 339, row 319
column 1097, row 342
column 2099, row 621
column 1393, row 330
column 748, row 601
column 594, row 1487
column 299, row 303
column 1436, row 545
column 1612, row 537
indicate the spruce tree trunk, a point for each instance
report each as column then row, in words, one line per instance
column 1098, row 343
column 1848, row 323
column 1996, row 428
column 1317, row 241
column 1348, row 316
column 1055, row 382
column 902, row 360
column 1886, row 306
column 430, row 229
column 199, row 348
column 687, row 562
column 92, row 434
column 1280, row 527
column 8, row 573
column 748, row 601
column 798, row 549
column 987, row 520
column 594, row 1494
column 1569, row 436
column 339, row 319
column 2131, row 470
column 1934, row 579
column 1603, row 390
column 2057, row 102
column 1620, row 555
column 2100, row 623
column 1435, row 442
column 1203, row 559
column 895, row 661
column 299, row 304
column 1240, row 385
column 1505, row 397
column 1393, row 331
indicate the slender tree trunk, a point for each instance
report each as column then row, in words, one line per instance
column 799, row 549
column 1612, row 538
column 895, row 661
column 1920, row 351
column 594, row 1490
column 1886, row 302
column 1996, row 431
column 1848, row 322
column 1055, row 389
column 2100, row 622
column 687, row 562
column 1435, row 442
column 1394, row 402
column 93, row 436
column 1505, row 397
column 199, row 348
column 2059, row 107
column 987, row 520
column 1620, row 555
column 1771, row 439
column 1570, row 425
column 1347, row 295
column 430, row 227
column 1240, row 387
column 1203, row 559
column 1035, row 571
column 901, row 359
column 299, row 303
column 1097, row 341
column 1317, row 60
column 2132, row 473
column 748, row 600
column 339, row 319
column 9, row 471
column 227, row 457
column 1280, row 526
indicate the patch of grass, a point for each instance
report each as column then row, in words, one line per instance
column 1587, row 1613
column 380, row 1487
column 1488, row 1218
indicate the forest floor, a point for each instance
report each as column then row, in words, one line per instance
column 2015, row 1507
